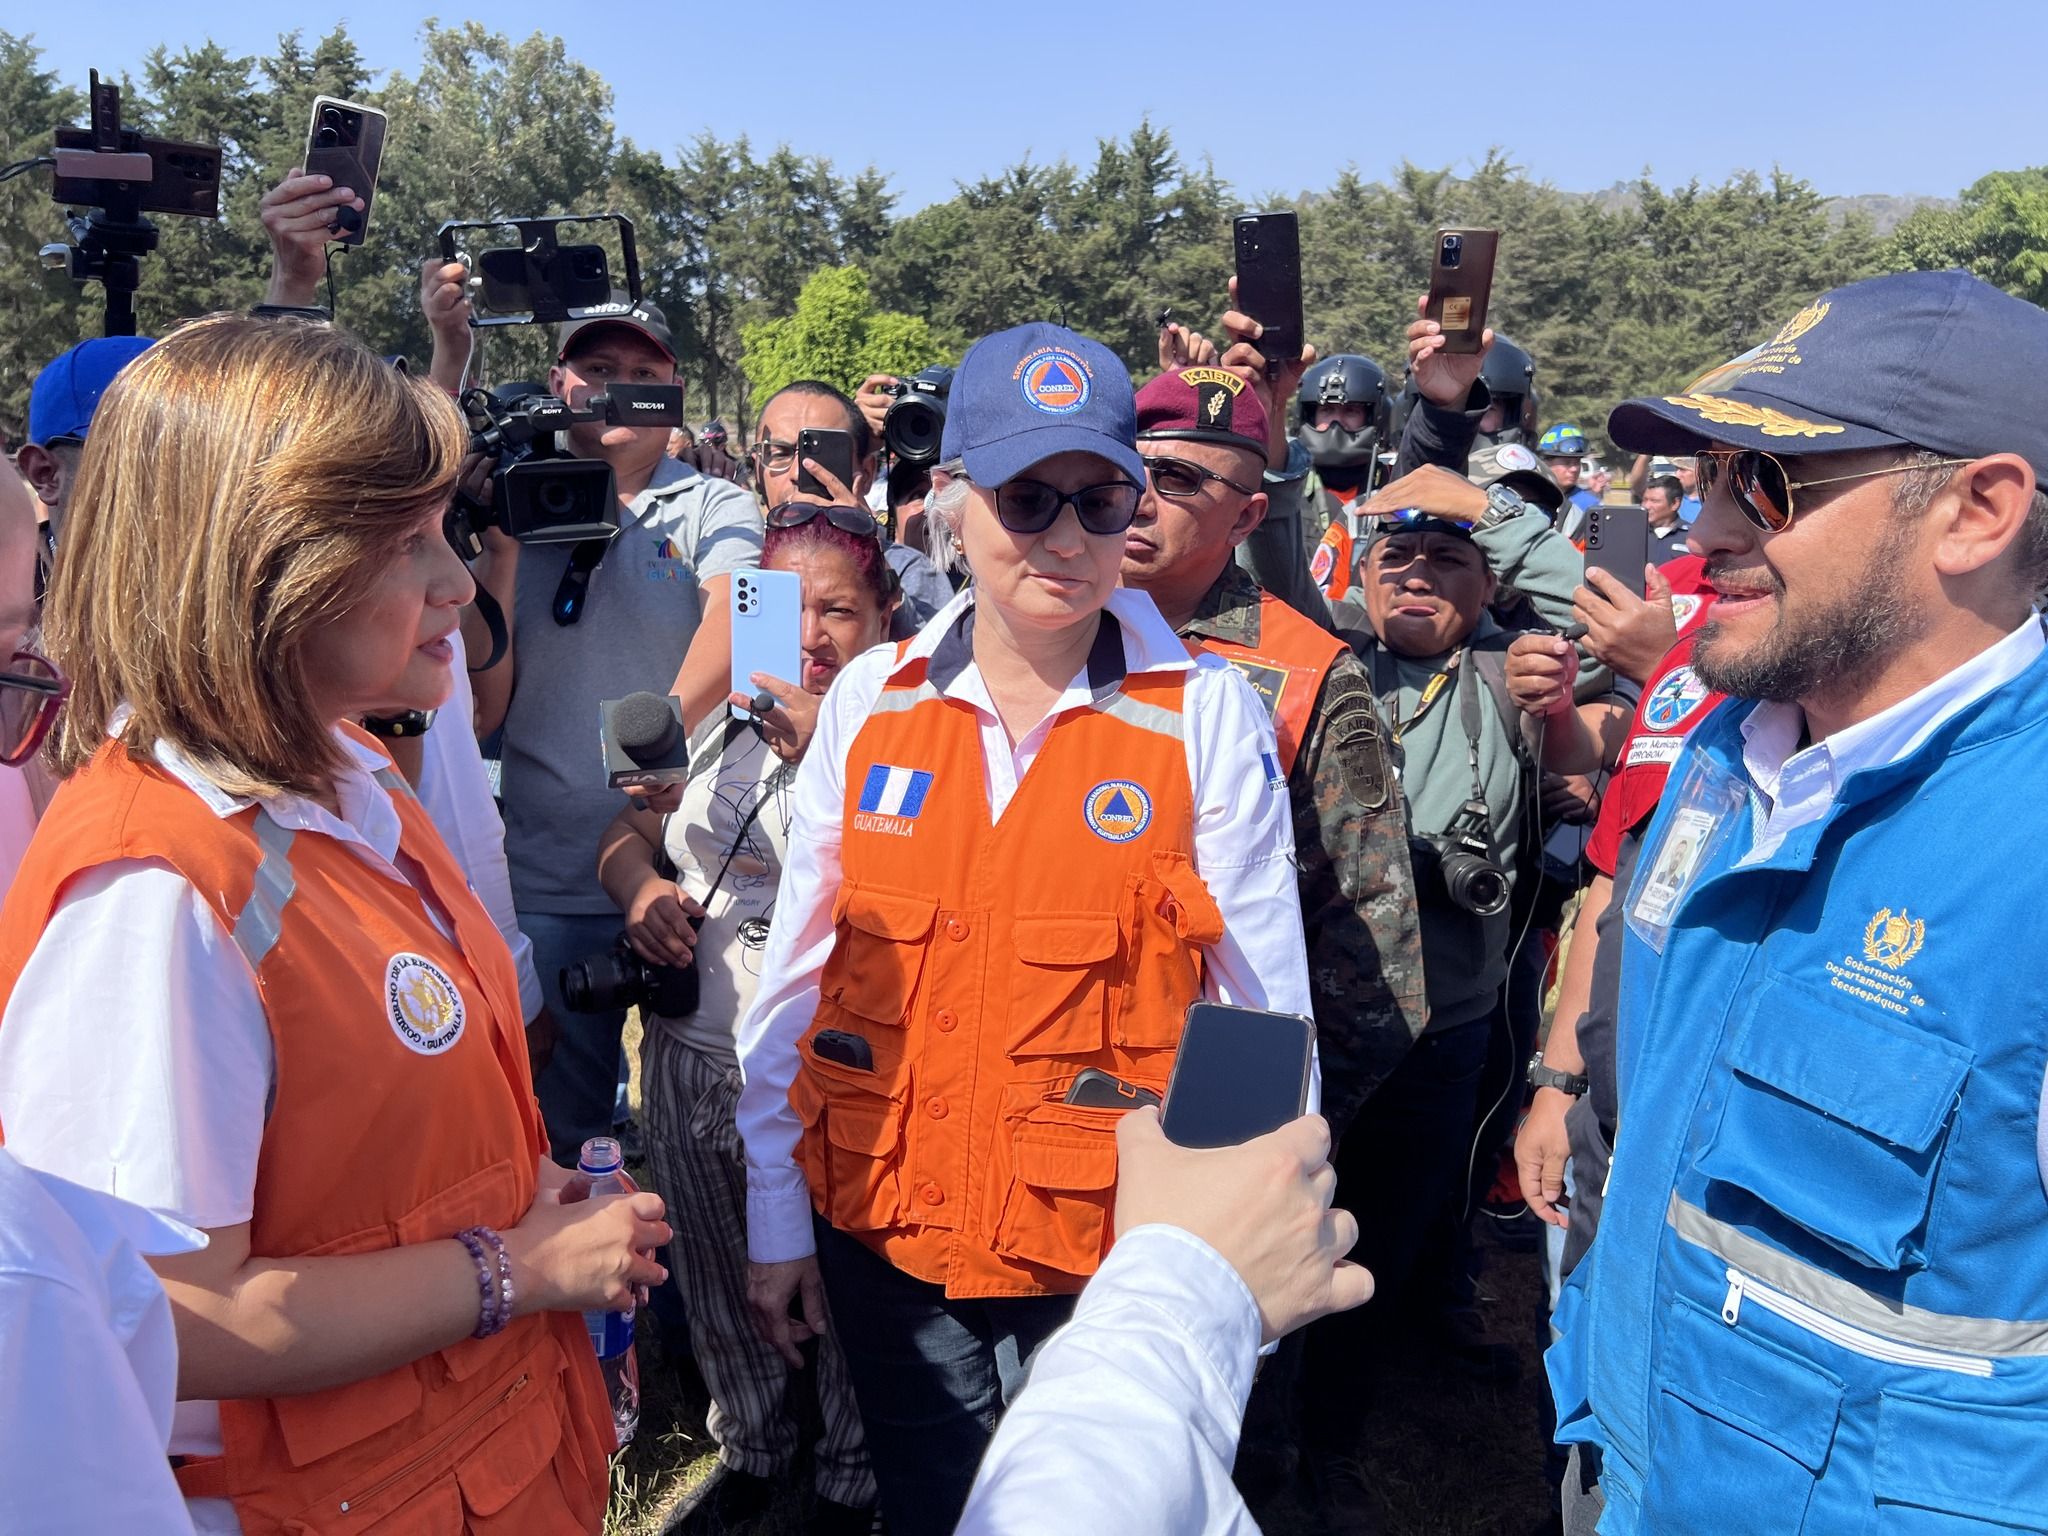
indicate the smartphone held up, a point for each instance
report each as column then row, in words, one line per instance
column 1460, row 284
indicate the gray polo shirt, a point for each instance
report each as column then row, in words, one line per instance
column 639, row 617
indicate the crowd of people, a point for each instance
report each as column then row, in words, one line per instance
column 1627, row 906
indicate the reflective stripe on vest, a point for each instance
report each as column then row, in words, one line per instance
column 1146, row 717
column 1848, row 1303
column 261, row 919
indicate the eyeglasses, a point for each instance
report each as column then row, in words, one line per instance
column 771, row 455
column 794, row 514
column 32, row 690
column 1032, row 506
column 1180, row 479
column 1763, row 490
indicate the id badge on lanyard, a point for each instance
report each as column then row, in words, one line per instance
column 1711, row 803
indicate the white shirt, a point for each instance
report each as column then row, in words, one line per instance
column 161, row 1101
column 1130, row 1420
column 1243, row 849
column 1797, row 787
column 88, row 1360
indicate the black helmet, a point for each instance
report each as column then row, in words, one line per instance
column 714, row 431
column 1509, row 374
column 1345, row 379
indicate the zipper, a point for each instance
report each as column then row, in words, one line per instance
column 1874, row 1346
column 448, row 1437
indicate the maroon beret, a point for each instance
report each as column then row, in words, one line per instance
column 1202, row 405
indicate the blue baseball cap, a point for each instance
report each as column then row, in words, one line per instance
column 68, row 390
column 1033, row 391
column 1937, row 360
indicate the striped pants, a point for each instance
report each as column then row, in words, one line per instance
column 688, row 1101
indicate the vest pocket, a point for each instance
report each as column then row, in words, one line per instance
column 1061, row 1180
column 1171, row 916
column 853, row 1144
column 1950, row 1466
column 875, row 963
column 1739, row 1431
column 1838, row 1123
column 1060, row 996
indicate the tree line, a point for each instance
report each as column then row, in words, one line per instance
column 1612, row 296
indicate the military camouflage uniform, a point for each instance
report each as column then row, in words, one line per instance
column 1357, row 889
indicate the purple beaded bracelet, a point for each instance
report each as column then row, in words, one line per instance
column 493, row 1279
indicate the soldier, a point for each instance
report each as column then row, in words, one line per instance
column 1344, row 413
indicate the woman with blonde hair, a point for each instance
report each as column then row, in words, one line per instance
column 246, row 984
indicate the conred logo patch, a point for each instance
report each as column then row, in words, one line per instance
column 1117, row 810
column 1054, row 380
column 422, row 1002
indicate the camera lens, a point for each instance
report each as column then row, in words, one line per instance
column 557, row 498
column 1477, row 886
column 327, row 138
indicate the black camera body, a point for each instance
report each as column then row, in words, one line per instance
column 619, row 978
column 916, row 421
column 1459, row 862
column 541, row 495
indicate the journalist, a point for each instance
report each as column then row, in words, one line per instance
column 308, row 1043
column 1024, row 842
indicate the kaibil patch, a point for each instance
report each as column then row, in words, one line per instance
column 1054, row 381
column 422, row 1003
column 1117, row 810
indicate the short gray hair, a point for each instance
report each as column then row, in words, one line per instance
column 944, row 506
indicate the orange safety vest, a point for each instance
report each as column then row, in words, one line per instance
column 985, row 966
column 1286, row 669
column 402, row 1112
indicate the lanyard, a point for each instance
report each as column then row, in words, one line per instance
column 1431, row 692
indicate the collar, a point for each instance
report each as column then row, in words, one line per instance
column 1771, row 732
column 1132, row 637
column 1230, row 610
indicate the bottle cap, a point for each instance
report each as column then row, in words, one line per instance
column 600, row 1155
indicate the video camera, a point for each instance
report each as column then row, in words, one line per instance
column 120, row 174
column 539, row 495
column 916, row 421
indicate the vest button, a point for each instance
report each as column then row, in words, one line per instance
column 931, row 1194
column 946, row 1020
column 936, row 1108
column 956, row 930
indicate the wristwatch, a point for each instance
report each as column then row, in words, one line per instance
column 1501, row 504
column 413, row 722
column 1540, row 1076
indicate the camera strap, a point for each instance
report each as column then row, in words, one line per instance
column 1468, row 708
column 494, row 620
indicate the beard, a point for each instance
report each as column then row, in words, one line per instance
column 1818, row 649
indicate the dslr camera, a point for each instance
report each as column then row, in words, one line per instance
column 916, row 419
column 619, row 978
column 1458, row 862
column 539, row 494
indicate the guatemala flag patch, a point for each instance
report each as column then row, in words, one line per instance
column 895, row 791
column 1275, row 779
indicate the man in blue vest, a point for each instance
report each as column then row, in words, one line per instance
column 1819, row 1296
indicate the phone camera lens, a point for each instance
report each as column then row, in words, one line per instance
column 327, row 138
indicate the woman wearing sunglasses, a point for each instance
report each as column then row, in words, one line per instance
column 246, row 984
column 725, row 842
column 1024, row 842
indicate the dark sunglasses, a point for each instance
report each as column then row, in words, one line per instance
column 1180, row 479
column 1032, row 506
column 32, row 690
column 794, row 514
column 1763, row 490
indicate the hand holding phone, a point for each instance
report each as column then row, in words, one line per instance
column 1618, row 542
column 1268, row 248
column 767, row 629
column 1239, row 1073
column 831, row 451
column 346, row 143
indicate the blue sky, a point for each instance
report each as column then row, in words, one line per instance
column 1878, row 96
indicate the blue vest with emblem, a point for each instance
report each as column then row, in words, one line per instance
column 1819, row 1296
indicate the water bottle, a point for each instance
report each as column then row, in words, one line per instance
column 611, row 1333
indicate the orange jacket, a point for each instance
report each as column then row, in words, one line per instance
column 1286, row 669
column 985, row 967
column 403, row 1112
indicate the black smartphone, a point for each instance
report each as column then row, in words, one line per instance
column 346, row 142
column 1269, row 280
column 1097, row 1089
column 849, row 1050
column 1460, row 285
column 830, row 450
column 1239, row 1073
column 1618, row 542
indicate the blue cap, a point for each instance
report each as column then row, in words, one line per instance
column 1033, row 391
column 1938, row 360
column 1562, row 441
column 67, row 392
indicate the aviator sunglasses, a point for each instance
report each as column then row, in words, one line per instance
column 1763, row 490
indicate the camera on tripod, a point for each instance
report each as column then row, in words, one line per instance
column 916, row 420
column 120, row 175
column 1460, row 858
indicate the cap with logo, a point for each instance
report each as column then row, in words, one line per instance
column 1202, row 405
column 641, row 316
column 1025, row 394
column 1516, row 467
column 1562, row 441
column 1938, row 360
column 68, row 390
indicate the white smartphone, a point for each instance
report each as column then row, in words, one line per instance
column 767, row 629
column 346, row 142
